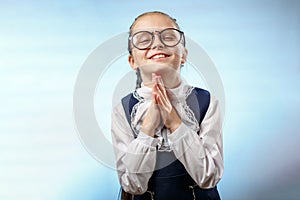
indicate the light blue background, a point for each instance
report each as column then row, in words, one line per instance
column 255, row 46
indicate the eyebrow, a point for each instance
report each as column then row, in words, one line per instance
column 151, row 29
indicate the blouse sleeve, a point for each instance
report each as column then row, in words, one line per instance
column 135, row 158
column 202, row 154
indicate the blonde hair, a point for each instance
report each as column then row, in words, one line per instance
column 153, row 12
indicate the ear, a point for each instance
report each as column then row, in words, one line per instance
column 184, row 56
column 131, row 62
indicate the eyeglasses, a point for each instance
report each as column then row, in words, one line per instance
column 169, row 37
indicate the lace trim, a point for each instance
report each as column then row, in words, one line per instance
column 188, row 91
column 189, row 113
column 133, row 112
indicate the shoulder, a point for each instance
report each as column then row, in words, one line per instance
column 118, row 109
column 214, row 106
column 201, row 91
column 123, row 103
column 128, row 99
column 203, row 96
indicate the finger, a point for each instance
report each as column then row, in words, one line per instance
column 155, row 94
column 160, row 81
column 162, row 99
column 164, row 113
column 154, row 77
column 161, row 85
column 154, row 97
column 161, row 92
column 157, row 89
column 162, row 104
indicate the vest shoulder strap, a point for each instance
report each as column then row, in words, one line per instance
column 198, row 101
column 128, row 102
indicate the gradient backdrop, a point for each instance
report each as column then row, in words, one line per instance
column 255, row 46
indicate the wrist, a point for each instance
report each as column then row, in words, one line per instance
column 173, row 122
column 174, row 125
column 148, row 131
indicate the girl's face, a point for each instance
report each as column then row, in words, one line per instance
column 158, row 58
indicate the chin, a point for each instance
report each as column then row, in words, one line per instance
column 158, row 68
column 161, row 69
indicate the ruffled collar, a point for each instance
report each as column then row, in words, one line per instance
column 176, row 95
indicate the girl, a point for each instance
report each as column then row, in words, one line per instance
column 164, row 148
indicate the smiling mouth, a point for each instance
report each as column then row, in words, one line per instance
column 159, row 56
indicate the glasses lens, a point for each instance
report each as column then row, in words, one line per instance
column 170, row 37
column 142, row 40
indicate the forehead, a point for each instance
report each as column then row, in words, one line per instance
column 153, row 21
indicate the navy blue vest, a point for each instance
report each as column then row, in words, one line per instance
column 173, row 181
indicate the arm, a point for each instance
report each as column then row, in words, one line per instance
column 202, row 155
column 135, row 158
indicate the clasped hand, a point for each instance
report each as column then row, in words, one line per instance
column 161, row 109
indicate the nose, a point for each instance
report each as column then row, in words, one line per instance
column 157, row 42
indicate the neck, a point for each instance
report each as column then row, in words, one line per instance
column 170, row 82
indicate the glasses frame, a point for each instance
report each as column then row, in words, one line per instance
column 130, row 41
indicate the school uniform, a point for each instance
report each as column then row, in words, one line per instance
column 192, row 166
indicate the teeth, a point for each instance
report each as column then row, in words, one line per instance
column 159, row 56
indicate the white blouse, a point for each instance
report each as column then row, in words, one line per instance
column 201, row 154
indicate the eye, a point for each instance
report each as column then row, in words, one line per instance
column 142, row 38
column 169, row 37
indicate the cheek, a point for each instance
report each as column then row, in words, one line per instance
column 139, row 56
column 137, row 59
column 178, row 52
